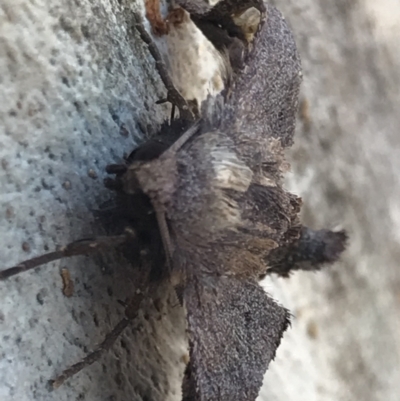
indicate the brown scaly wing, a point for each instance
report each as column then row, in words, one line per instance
column 234, row 331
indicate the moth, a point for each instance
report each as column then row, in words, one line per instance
column 207, row 194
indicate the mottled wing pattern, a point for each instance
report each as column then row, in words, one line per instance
column 259, row 115
column 219, row 204
column 222, row 226
column 234, row 331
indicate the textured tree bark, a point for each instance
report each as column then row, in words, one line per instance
column 78, row 90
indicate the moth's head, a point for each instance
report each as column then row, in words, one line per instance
column 156, row 178
column 145, row 153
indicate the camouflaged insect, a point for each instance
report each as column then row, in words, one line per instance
column 209, row 194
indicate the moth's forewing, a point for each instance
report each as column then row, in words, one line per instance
column 264, row 95
column 234, row 331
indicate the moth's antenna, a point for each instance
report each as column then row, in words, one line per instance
column 81, row 247
column 160, row 214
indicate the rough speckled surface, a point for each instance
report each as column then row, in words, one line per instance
column 74, row 80
column 77, row 91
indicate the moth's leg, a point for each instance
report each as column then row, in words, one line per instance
column 115, row 184
column 165, row 237
column 131, row 312
column 313, row 250
column 116, row 169
column 183, row 139
column 92, row 357
column 173, row 108
column 173, row 95
column 81, row 247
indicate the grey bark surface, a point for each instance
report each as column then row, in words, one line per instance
column 78, row 90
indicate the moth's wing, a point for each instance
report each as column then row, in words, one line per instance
column 264, row 100
column 234, row 331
